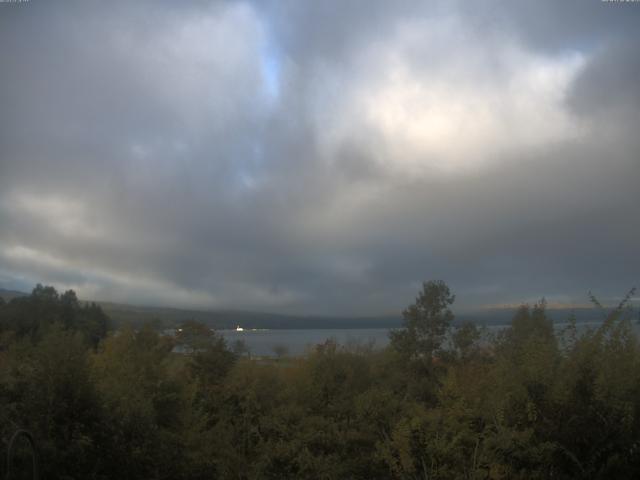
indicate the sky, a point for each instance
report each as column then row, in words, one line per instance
column 320, row 157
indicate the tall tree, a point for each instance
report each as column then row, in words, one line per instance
column 426, row 322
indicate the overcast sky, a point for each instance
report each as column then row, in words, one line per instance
column 320, row 157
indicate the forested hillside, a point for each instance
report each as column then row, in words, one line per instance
column 438, row 403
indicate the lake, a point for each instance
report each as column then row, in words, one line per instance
column 264, row 342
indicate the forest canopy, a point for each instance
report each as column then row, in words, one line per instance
column 442, row 401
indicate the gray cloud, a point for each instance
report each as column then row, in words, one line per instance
column 319, row 157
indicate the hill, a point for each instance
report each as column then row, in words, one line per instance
column 226, row 319
column 8, row 295
column 167, row 317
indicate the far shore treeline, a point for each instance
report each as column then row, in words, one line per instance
column 445, row 399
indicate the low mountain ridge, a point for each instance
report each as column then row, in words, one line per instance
column 168, row 317
column 8, row 295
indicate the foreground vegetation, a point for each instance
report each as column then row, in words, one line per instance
column 438, row 403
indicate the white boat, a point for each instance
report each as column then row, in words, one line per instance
column 239, row 329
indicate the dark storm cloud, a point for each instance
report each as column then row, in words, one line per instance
column 319, row 157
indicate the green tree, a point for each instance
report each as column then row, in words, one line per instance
column 465, row 339
column 193, row 336
column 145, row 405
column 33, row 315
column 46, row 388
column 417, row 347
column 426, row 322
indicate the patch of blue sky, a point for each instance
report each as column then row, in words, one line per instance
column 270, row 66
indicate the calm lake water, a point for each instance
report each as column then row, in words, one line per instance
column 296, row 342
column 263, row 342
